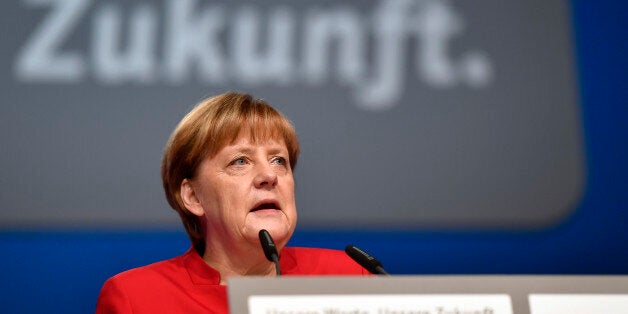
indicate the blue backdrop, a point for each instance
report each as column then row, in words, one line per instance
column 61, row 271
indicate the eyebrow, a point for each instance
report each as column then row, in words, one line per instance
column 249, row 149
column 245, row 149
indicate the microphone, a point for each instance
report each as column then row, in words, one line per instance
column 366, row 260
column 270, row 250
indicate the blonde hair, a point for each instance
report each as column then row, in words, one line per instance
column 213, row 124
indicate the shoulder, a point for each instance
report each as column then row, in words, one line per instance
column 316, row 261
column 153, row 272
column 134, row 288
column 184, row 284
column 146, row 276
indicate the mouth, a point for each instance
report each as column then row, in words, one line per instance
column 266, row 205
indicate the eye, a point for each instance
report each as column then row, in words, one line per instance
column 241, row 161
column 279, row 161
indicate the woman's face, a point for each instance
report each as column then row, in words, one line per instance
column 245, row 187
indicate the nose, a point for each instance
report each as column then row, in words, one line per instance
column 266, row 177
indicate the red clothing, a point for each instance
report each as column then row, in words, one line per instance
column 186, row 284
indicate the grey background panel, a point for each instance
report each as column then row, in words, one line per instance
column 473, row 126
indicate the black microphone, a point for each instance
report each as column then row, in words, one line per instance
column 270, row 250
column 366, row 260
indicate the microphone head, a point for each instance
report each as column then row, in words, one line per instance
column 365, row 260
column 268, row 245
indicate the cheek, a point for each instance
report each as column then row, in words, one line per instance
column 289, row 183
column 216, row 201
column 290, row 199
column 233, row 201
column 230, row 198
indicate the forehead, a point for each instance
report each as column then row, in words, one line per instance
column 246, row 140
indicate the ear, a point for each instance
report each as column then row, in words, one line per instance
column 189, row 198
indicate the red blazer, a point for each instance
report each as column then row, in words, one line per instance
column 186, row 284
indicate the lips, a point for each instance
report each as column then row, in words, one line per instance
column 266, row 204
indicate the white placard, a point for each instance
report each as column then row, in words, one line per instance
column 578, row 303
column 381, row 304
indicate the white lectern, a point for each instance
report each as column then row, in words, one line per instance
column 429, row 295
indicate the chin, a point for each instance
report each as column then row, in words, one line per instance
column 280, row 233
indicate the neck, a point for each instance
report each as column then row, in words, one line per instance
column 243, row 259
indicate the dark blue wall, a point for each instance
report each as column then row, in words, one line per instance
column 56, row 271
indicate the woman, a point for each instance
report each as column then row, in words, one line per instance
column 227, row 170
